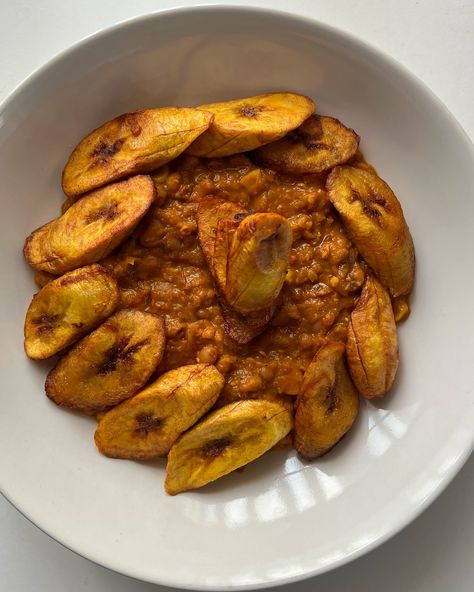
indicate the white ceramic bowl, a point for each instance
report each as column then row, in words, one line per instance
column 281, row 519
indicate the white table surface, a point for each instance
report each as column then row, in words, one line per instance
column 435, row 39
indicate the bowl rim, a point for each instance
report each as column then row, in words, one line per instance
column 374, row 53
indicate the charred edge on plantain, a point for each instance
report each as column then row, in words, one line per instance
column 118, row 353
column 215, row 447
column 146, row 423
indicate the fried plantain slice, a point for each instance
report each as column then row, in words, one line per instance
column 401, row 309
column 359, row 162
column 317, row 145
column 132, row 143
column 240, row 125
column 372, row 343
column 374, row 220
column 257, row 262
column 227, row 439
column 243, row 328
column 109, row 365
column 67, row 308
column 149, row 423
column 218, row 221
column 42, row 278
column 68, row 202
column 327, row 404
column 91, row 228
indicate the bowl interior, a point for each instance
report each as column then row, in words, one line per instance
column 281, row 519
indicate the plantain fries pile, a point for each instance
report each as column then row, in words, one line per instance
column 110, row 353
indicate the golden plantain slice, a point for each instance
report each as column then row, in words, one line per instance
column 67, row 308
column 317, row 145
column 243, row 328
column 68, row 202
column 244, row 124
column 137, row 142
column 257, row 262
column 42, row 278
column 109, row 365
column 148, row 424
column 91, row 228
column 372, row 343
column 359, row 162
column 401, row 309
column 374, row 220
column 217, row 221
column 327, row 404
column 227, row 439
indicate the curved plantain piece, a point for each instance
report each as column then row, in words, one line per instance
column 67, row 308
column 217, row 220
column 372, row 343
column 257, row 262
column 109, row 365
column 401, row 308
column 374, row 220
column 227, row 439
column 132, row 143
column 240, row 125
column 327, row 404
column 147, row 425
column 42, row 278
column 91, row 228
column 317, row 145
column 242, row 328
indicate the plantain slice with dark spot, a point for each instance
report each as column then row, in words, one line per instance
column 109, row 365
column 372, row 342
column 240, row 125
column 327, row 404
column 257, row 262
column 373, row 218
column 147, row 425
column 247, row 255
column 132, row 143
column 91, row 228
column 317, row 145
column 225, row 440
column 67, row 308
column 217, row 222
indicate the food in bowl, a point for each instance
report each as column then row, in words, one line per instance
column 250, row 297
